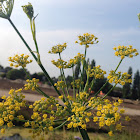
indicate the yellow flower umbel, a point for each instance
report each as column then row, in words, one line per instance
column 58, row 48
column 77, row 83
column 40, row 121
column 123, row 51
column 60, row 85
column 19, row 60
column 32, row 84
column 72, row 62
column 119, row 78
column 96, row 72
column 59, row 63
column 107, row 114
column 9, row 108
column 87, row 39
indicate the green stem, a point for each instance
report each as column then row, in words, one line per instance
column 59, row 120
column 41, row 66
column 109, row 91
column 32, row 24
column 87, row 82
column 34, row 34
column 84, row 134
column 73, row 83
column 92, row 83
column 108, row 80
column 64, row 99
column 41, row 92
column 82, row 73
column 60, row 125
column 63, row 74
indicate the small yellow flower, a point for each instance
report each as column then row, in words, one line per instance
column 3, row 97
column 110, row 133
column 122, row 111
column 127, row 118
column 50, row 128
column 3, row 130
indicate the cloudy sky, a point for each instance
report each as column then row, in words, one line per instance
column 113, row 22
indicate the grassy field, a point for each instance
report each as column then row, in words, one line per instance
column 69, row 135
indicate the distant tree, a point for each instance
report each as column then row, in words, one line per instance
column 40, row 76
column 93, row 63
column 77, row 70
column 135, row 87
column 127, row 86
column 26, row 73
column 15, row 74
column 69, row 79
column 1, row 67
column 7, row 69
column 99, row 83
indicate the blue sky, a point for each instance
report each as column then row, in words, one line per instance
column 113, row 22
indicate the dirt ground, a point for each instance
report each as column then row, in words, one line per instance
column 133, row 107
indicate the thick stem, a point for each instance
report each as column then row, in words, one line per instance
column 41, row 66
column 83, row 133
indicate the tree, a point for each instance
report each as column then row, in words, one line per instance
column 1, row 67
column 93, row 63
column 15, row 74
column 99, row 83
column 127, row 86
column 7, row 69
column 69, row 79
column 77, row 70
column 135, row 87
column 40, row 76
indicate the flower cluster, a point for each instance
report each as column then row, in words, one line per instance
column 80, row 116
column 96, row 72
column 32, row 84
column 60, row 84
column 20, row 60
column 87, row 39
column 77, row 83
column 40, row 121
column 108, row 115
column 58, row 48
column 124, row 51
column 62, row 112
column 72, row 62
column 9, row 107
column 119, row 77
column 59, row 63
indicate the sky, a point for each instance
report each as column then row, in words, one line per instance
column 113, row 22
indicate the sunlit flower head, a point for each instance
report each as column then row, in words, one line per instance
column 87, row 39
column 125, row 51
column 19, row 60
column 58, row 48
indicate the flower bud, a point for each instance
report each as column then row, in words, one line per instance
column 28, row 9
